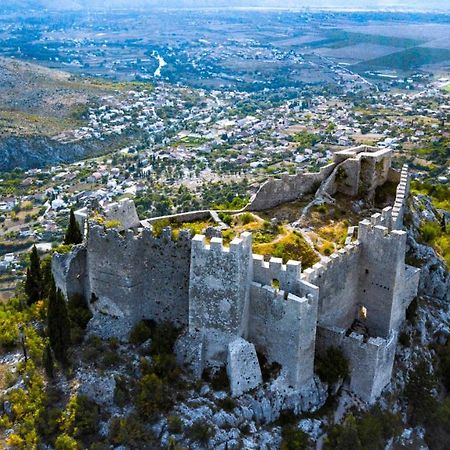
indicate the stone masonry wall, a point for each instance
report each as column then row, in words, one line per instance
column 69, row 271
column 370, row 361
column 382, row 276
column 219, row 293
column 288, row 276
column 124, row 212
column 137, row 276
column 283, row 327
column 289, row 188
column 337, row 280
column 400, row 199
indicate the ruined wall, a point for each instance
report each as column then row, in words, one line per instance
column 370, row 361
column 70, row 271
column 283, row 327
column 288, row 276
column 219, row 293
column 337, row 280
column 137, row 276
column 346, row 178
column 124, row 212
column 183, row 217
column 274, row 192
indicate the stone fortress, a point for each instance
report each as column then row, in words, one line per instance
column 233, row 303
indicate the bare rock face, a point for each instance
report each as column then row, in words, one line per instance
column 434, row 276
column 39, row 151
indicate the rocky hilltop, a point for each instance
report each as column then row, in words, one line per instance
column 37, row 106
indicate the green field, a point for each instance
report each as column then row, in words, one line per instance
column 340, row 39
column 406, row 60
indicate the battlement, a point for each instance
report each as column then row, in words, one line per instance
column 280, row 295
column 144, row 235
column 362, row 151
column 282, row 325
column 332, row 262
column 376, row 228
column 400, row 198
column 238, row 245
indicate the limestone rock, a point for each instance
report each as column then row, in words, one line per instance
column 242, row 367
column 100, row 389
column 189, row 352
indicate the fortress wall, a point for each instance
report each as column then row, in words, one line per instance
column 393, row 176
column 288, row 276
column 347, row 178
column 401, row 196
column 274, row 192
column 69, row 271
column 125, row 212
column 138, row 276
column 219, row 293
column 337, row 280
column 370, row 361
column 182, row 217
column 382, row 276
column 283, row 327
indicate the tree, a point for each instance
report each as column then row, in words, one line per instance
column 73, row 232
column 48, row 361
column 33, row 282
column 58, row 324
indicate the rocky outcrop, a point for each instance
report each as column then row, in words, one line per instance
column 434, row 275
column 39, row 151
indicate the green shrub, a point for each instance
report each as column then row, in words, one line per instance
column 110, row 359
column 81, row 418
column 332, row 366
column 153, row 396
column 130, row 432
column 369, row 430
column 225, row 218
column 294, row 439
column 174, row 424
column 227, row 404
column 429, row 231
column 109, row 224
column 79, row 312
column 140, row 333
column 123, row 390
column 219, row 379
column 65, row 442
column 159, row 225
column 444, row 364
column 404, row 339
column 200, row 432
column 419, row 389
column 343, row 437
column 246, row 218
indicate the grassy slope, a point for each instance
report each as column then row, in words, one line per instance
column 37, row 100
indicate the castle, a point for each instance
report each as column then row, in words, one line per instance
column 233, row 303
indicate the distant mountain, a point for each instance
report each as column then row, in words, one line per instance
column 344, row 4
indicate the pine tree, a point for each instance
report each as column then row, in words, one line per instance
column 48, row 361
column 172, row 444
column 33, row 282
column 73, row 232
column 58, row 324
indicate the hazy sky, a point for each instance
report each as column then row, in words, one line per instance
column 424, row 5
